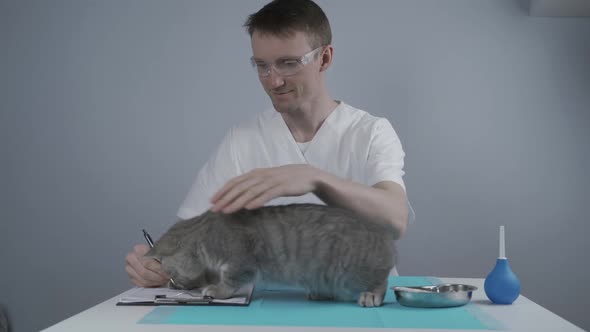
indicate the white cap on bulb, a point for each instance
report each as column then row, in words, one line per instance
column 502, row 244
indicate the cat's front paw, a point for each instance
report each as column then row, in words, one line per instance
column 370, row 299
column 217, row 292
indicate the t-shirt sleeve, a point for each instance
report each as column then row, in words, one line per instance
column 385, row 161
column 221, row 167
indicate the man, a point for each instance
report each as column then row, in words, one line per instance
column 309, row 148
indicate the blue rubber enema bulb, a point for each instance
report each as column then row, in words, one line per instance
column 501, row 285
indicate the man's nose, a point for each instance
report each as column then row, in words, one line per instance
column 276, row 80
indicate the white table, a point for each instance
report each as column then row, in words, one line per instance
column 523, row 315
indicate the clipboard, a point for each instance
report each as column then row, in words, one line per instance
column 139, row 296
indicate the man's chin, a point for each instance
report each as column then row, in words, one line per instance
column 281, row 110
column 283, row 107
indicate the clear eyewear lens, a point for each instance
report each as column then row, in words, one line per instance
column 285, row 67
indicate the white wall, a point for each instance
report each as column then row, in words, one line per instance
column 108, row 109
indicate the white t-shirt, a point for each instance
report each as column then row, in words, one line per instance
column 351, row 144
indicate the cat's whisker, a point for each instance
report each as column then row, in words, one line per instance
column 191, row 294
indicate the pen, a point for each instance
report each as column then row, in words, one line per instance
column 149, row 240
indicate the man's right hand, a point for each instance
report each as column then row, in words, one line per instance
column 143, row 271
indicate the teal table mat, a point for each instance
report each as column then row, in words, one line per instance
column 289, row 307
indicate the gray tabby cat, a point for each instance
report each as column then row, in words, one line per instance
column 331, row 252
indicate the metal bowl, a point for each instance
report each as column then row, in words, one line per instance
column 439, row 296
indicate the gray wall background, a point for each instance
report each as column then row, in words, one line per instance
column 109, row 108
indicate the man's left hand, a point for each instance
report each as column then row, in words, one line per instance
column 253, row 189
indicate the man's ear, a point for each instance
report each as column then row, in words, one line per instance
column 326, row 58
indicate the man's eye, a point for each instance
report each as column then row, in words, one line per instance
column 288, row 64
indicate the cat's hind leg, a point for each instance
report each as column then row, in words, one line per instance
column 374, row 297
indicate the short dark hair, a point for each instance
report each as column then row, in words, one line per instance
column 285, row 17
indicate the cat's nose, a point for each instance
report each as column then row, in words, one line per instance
column 173, row 284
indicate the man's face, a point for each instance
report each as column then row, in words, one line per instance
column 287, row 93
